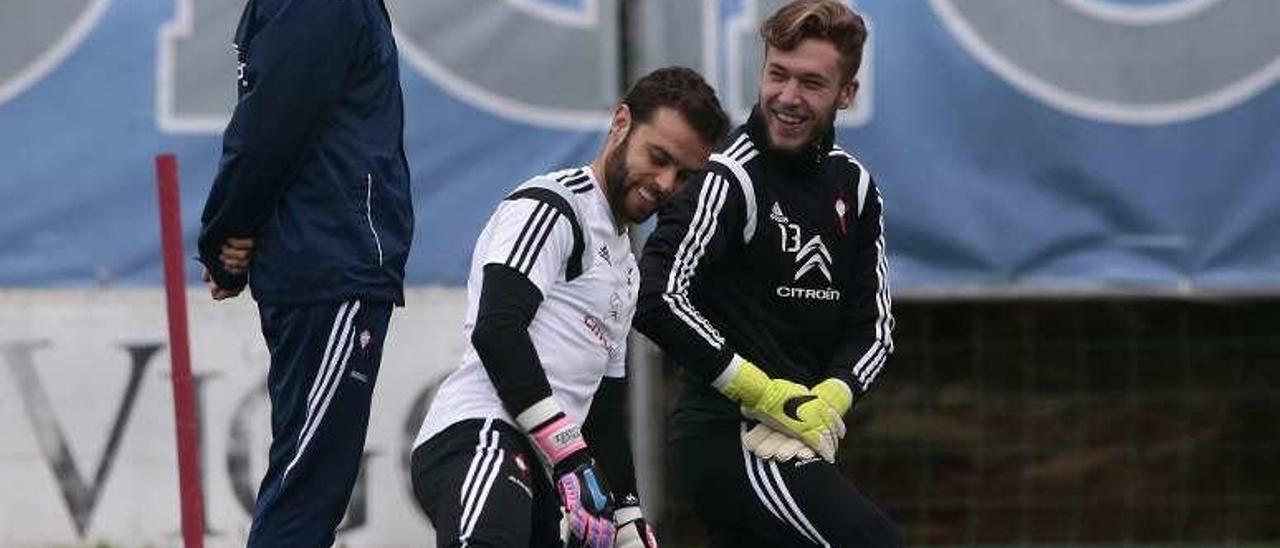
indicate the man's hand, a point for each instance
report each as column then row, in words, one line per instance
column 783, row 405
column 218, row 293
column 236, row 254
column 767, row 443
column 633, row 530
column 584, row 494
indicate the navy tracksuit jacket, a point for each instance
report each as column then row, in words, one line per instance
column 313, row 161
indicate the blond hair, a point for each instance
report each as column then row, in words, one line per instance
column 827, row 20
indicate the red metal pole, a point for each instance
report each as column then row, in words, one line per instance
column 185, row 421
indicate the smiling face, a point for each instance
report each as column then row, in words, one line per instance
column 801, row 90
column 648, row 163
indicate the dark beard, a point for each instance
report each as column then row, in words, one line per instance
column 615, row 180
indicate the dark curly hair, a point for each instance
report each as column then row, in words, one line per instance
column 683, row 90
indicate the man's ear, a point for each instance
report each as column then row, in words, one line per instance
column 620, row 125
column 847, row 94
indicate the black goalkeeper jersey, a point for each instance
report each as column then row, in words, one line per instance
column 778, row 258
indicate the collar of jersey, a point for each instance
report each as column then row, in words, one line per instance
column 602, row 201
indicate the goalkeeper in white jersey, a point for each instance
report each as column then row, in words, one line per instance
column 520, row 439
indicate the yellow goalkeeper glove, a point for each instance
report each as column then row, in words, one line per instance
column 782, row 404
column 839, row 396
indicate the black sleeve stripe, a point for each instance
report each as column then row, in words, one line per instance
column 570, row 175
column 542, row 240
column 549, row 198
column 543, row 219
column 576, row 181
column 578, row 184
column 521, row 246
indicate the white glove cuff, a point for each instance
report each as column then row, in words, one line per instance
column 626, row 514
column 725, row 377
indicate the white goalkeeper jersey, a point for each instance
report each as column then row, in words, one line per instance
column 582, row 264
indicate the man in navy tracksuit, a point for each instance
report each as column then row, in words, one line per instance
column 311, row 209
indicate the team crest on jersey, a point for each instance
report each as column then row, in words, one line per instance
column 842, row 214
column 775, row 213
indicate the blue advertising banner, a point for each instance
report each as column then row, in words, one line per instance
column 1038, row 146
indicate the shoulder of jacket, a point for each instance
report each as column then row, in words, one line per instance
column 570, row 184
column 738, row 156
column 859, row 174
column 563, row 190
column 737, row 159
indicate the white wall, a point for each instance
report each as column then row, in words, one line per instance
column 65, row 365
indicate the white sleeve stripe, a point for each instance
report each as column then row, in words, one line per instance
column 685, row 263
column 875, row 372
column 882, row 274
column 704, row 227
column 720, row 193
column 734, row 148
column 745, row 154
column 691, row 249
column 864, row 182
column 869, row 364
column 864, row 376
column 867, row 357
column 748, row 191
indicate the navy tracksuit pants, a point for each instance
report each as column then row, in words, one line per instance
column 324, row 363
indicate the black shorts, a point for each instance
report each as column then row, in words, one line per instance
column 481, row 484
column 744, row 501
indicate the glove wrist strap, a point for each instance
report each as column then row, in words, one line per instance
column 627, row 514
column 553, row 433
column 741, row 381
